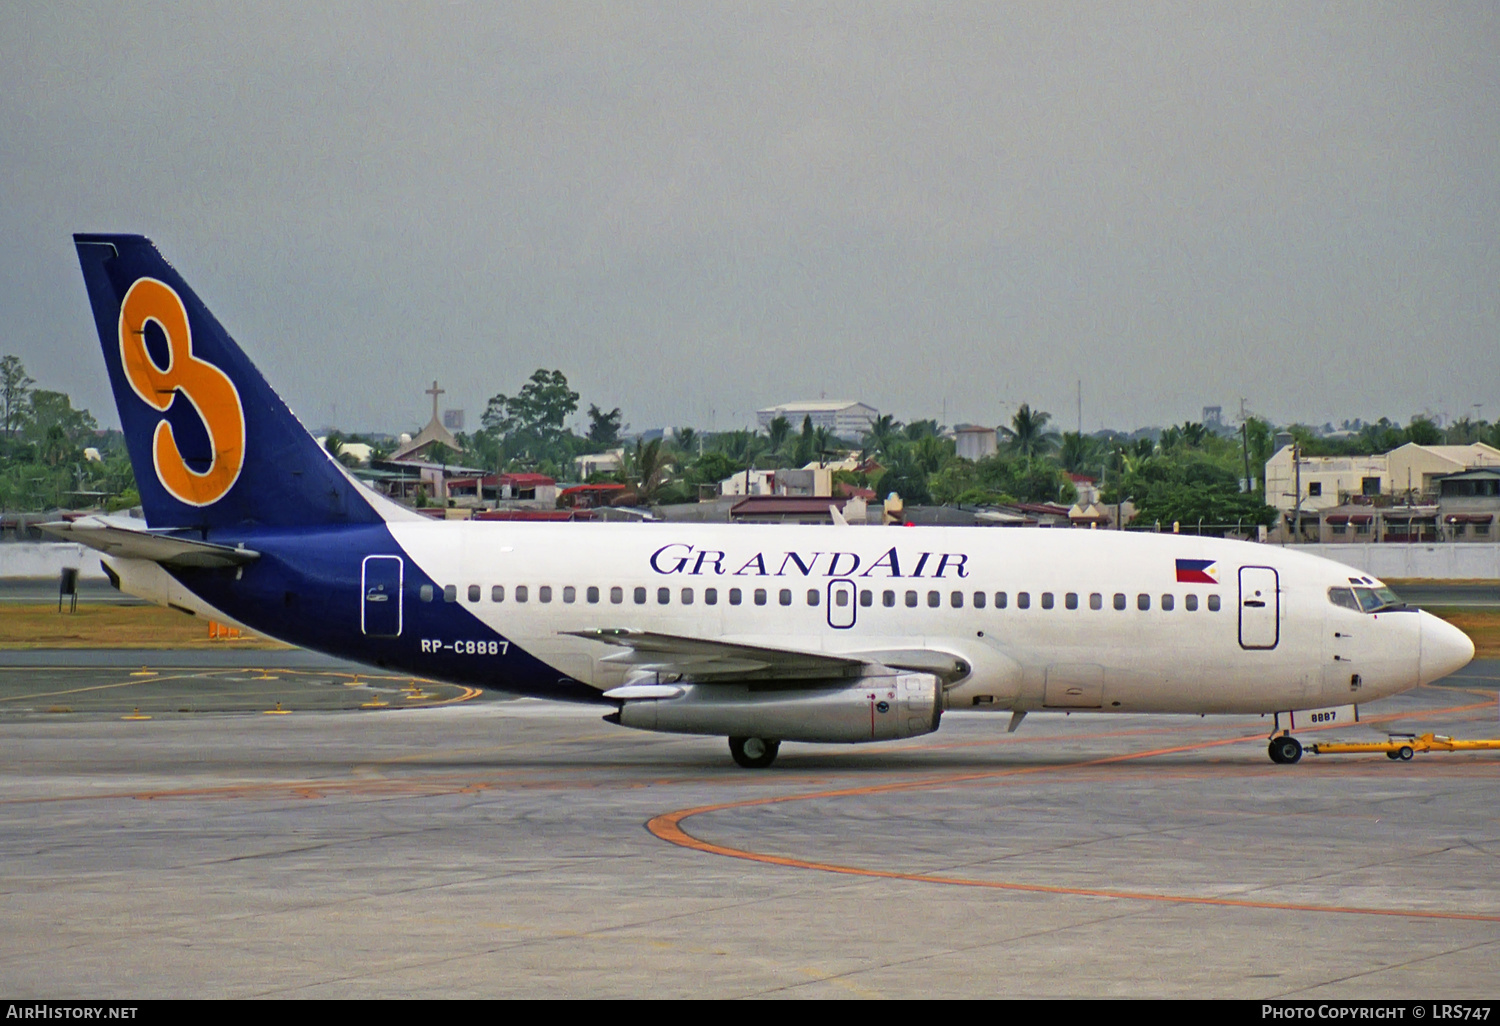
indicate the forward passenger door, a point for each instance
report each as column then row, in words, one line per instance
column 1260, row 607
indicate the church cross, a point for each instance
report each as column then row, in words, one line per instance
column 434, row 391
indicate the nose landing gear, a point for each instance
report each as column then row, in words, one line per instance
column 1284, row 750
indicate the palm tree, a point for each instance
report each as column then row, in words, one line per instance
column 883, row 432
column 647, row 469
column 778, row 432
column 1028, row 435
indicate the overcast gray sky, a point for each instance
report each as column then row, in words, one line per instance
column 698, row 210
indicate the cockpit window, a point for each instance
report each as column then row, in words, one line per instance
column 1343, row 597
column 1374, row 600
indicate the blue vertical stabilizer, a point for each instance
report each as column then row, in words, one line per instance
column 213, row 446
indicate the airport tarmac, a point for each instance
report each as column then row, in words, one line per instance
column 460, row 846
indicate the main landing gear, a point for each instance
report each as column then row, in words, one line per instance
column 753, row 752
column 1285, row 749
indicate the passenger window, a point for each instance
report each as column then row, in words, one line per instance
column 956, row 600
column 812, row 597
column 1213, row 603
column 888, row 599
column 1096, row 601
column 450, row 593
column 760, row 596
column 1070, row 600
column 1000, row 600
column 474, row 593
column 1190, row 603
column 979, row 598
column 1023, row 600
column 734, row 596
column 1143, row 602
column 687, row 596
column 1119, row 601
column 710, row 596
column 911, row 600
column 640, row 596
column 497, row 593
column 521, row 593
column 1046, row 600
column 934, row 600
column 425, row 593
column 1167, row 602
column 592, row 595
column 867, row 598
column 663, row 596
column 786, row 596
column 544, row 593
column 570, row 593
column 616, row 595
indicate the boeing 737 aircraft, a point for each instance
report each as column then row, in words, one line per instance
column 758, row 634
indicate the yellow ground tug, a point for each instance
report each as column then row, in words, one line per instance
column 1403, row 746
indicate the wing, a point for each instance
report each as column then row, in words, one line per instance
column 700, row 659
column 129, row 543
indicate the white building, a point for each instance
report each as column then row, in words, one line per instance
column 844, row 417
column 813, row 480
column 975, row 443
column 1326, row 481
column 609, row 462
column 1414, row 467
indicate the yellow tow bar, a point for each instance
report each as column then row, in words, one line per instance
column 1403, row 746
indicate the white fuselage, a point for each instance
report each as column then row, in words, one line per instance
column 1175, row 646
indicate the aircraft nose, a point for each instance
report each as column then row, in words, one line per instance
column 1445, row 649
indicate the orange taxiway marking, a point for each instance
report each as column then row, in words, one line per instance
column 668, row 827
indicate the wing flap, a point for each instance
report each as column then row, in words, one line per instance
column 705, row 660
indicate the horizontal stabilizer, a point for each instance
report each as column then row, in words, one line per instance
column 156, row 546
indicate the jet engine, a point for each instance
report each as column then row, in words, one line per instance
column 882, row 705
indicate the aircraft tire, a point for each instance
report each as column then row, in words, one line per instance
column 753, row 752
column 1404, row 752
column 1285, row 750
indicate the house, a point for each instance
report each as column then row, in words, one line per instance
column 1415, row 469
column 789, row 509
column 1325, row 481
column 599, row 463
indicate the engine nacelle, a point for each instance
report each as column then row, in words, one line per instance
column 883, row 705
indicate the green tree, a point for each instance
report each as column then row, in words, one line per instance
column 904, row 477
column 1028, row 435
column 530, row 423
column 883, row 433
column 778, row 432
column 15, row 389
column 1424, row 432
column 48, row 410
column 604, row 428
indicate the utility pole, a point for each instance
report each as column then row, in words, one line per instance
column 1245, row 439
column 1080, row 407
column 1297, row 463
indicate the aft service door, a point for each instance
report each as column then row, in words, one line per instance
column 1260, row 607
column 380, row 608
column 841, row 604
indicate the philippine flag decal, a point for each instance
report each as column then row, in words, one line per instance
column 1197, row 571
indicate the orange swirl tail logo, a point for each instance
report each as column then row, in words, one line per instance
column 208, row 388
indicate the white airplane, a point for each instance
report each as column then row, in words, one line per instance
column 761, row 635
